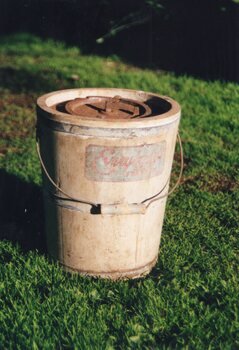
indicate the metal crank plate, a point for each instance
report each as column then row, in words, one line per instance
column 113, row 108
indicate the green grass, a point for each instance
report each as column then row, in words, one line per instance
column 190, row 300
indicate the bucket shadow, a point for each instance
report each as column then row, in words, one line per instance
column 21, row 213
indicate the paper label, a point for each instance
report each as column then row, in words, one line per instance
column 124, row 164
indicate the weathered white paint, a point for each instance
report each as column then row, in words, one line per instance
column 116, row 239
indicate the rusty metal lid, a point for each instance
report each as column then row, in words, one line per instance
column 107, row 108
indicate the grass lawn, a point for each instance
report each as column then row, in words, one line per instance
column 190, row 300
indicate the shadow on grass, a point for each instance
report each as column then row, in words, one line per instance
column 196, row 38
column 21, row 80
column 21, row 213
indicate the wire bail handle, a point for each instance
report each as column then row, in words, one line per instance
column 145, row 203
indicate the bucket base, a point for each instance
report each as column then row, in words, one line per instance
column 115, row 275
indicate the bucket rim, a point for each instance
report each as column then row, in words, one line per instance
column 45, row 107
